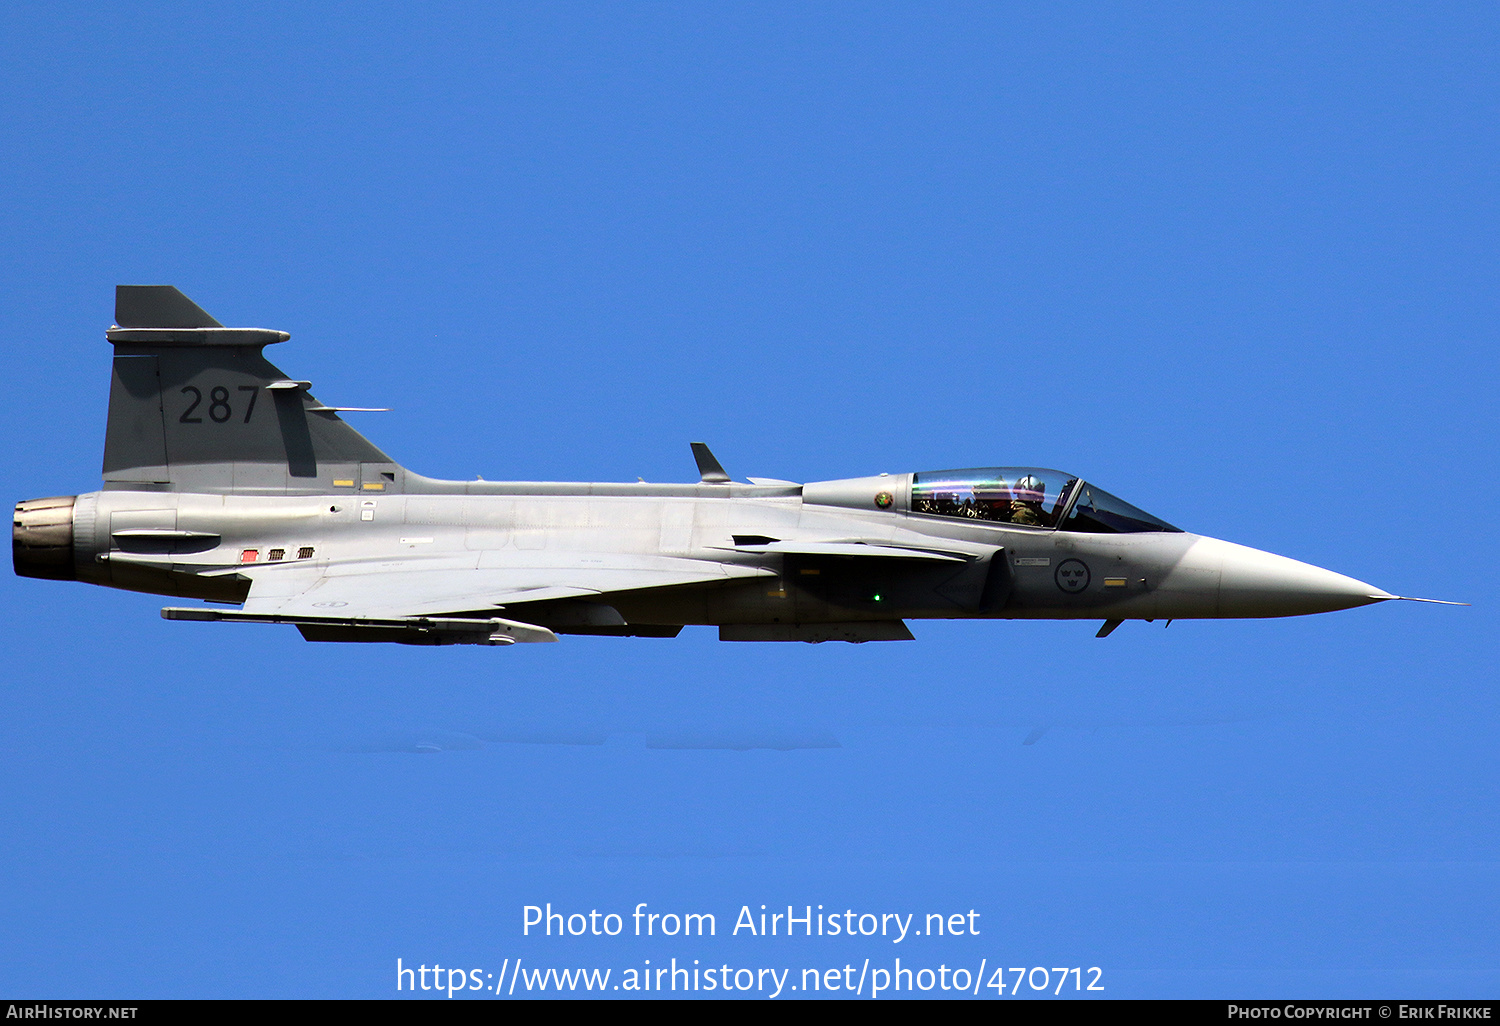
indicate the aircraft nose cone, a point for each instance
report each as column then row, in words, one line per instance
column 1256, row 583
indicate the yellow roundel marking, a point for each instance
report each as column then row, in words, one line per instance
column 884, row 500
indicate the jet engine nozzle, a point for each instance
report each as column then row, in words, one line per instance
column 42, row 539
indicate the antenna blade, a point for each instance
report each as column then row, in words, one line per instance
column 708, row 467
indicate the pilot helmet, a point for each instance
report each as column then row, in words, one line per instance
column 1029, row 489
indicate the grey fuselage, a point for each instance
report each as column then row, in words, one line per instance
column 991, row 570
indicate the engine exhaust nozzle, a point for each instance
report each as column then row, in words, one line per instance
column 42, row 539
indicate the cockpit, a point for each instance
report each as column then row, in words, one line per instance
column 1028, row 497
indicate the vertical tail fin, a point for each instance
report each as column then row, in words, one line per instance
column 195, row 406
column 158, row 306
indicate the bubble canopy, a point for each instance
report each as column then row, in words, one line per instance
column 1028, row 497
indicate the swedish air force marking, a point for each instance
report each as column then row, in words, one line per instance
column 1072, row 575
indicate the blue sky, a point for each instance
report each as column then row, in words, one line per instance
column 1234, row 264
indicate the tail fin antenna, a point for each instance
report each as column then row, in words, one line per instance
column 158, row 306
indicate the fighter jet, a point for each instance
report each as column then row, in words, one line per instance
column 226, row 481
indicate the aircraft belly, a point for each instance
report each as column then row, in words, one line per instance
column 787, row 599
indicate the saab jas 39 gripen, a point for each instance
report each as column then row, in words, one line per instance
column 226, row 481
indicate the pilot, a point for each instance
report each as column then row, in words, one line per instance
column 993, row 502
column 1026, row 502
